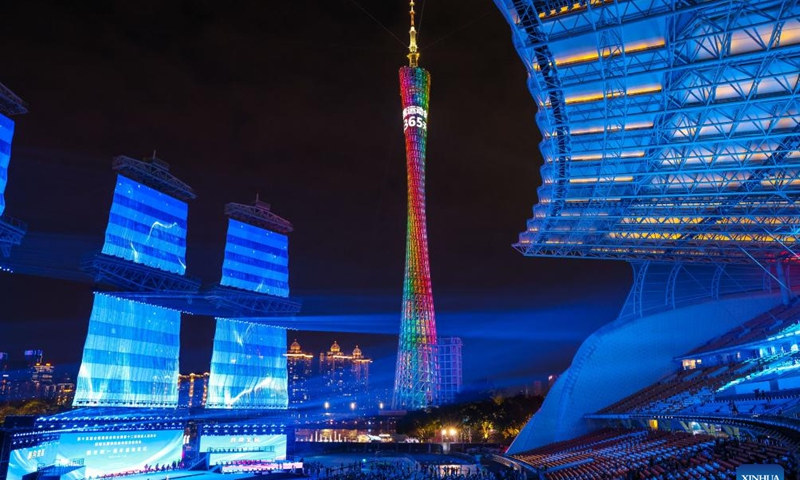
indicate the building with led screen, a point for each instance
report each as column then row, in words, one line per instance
column 416, row 382
column 131, row 353
column 248, row 364
column 138, row 415
column 670, row 134
column 11, row 230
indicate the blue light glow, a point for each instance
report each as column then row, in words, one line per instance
column 248, row 368
column 102, row 453
column 147, row 227
column 6, row 134
column 256, row 260
column 232, row 448
column 131, row 355
column 23, row 461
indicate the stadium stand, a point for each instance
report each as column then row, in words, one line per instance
column 653, row 454
column 735, row 400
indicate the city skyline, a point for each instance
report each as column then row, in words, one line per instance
column 310, row 167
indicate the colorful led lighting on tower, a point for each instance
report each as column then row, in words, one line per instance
column 416, row 383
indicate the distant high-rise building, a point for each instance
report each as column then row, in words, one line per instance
column 299, row 368
column 192, row 390
column 28, row 379
column 333, row 367
column 538, row 390
column 33, row 357
column 360, row 371
column 64, row 393
column 345, row 377
column 450, row 372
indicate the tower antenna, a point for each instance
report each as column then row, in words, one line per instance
column 413, row 54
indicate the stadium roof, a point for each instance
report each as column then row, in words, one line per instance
column 670, row 129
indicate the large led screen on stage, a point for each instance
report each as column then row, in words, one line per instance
column 233, row 448
column 106, row 453
column 23, row 461
column 131, row 355
column 147, row 227
column 248, row 367
column 6, row 134
column 256, row 260
column 102, row 453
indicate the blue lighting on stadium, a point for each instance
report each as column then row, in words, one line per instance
column 248, row 369
column 6, row 134
column 256, row 260
column 131, row 355
column 147, row 227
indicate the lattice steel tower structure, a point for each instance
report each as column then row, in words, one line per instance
column 416, row 382
column 670, row 128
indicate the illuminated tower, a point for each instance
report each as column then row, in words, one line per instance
column 416, row 382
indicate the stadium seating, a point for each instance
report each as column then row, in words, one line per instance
column 768, row 323
column 646, row 454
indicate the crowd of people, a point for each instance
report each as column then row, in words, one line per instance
column 399, row 471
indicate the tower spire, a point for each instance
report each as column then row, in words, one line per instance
column 416, row 381
column 413, row 54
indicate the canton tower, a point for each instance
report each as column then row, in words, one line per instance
column 416, row 382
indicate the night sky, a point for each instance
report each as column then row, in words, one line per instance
column 297, row 101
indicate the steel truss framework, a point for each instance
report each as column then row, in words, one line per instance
column 10, row 103
column 11, row 233
column 258, row 215
column 417, row 381
column 126, row 275
column 251, row 306
column 154, row 173
column 670, row 128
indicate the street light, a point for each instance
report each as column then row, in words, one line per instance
column 353, row 406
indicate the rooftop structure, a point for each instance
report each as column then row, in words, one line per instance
column 10, row 103
column 670, row 129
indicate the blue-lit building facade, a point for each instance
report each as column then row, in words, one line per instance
column 132, row 348
column 130, row 416
column 248, row 364
column 669, row 140
column 11, row 230
column 6, row 136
